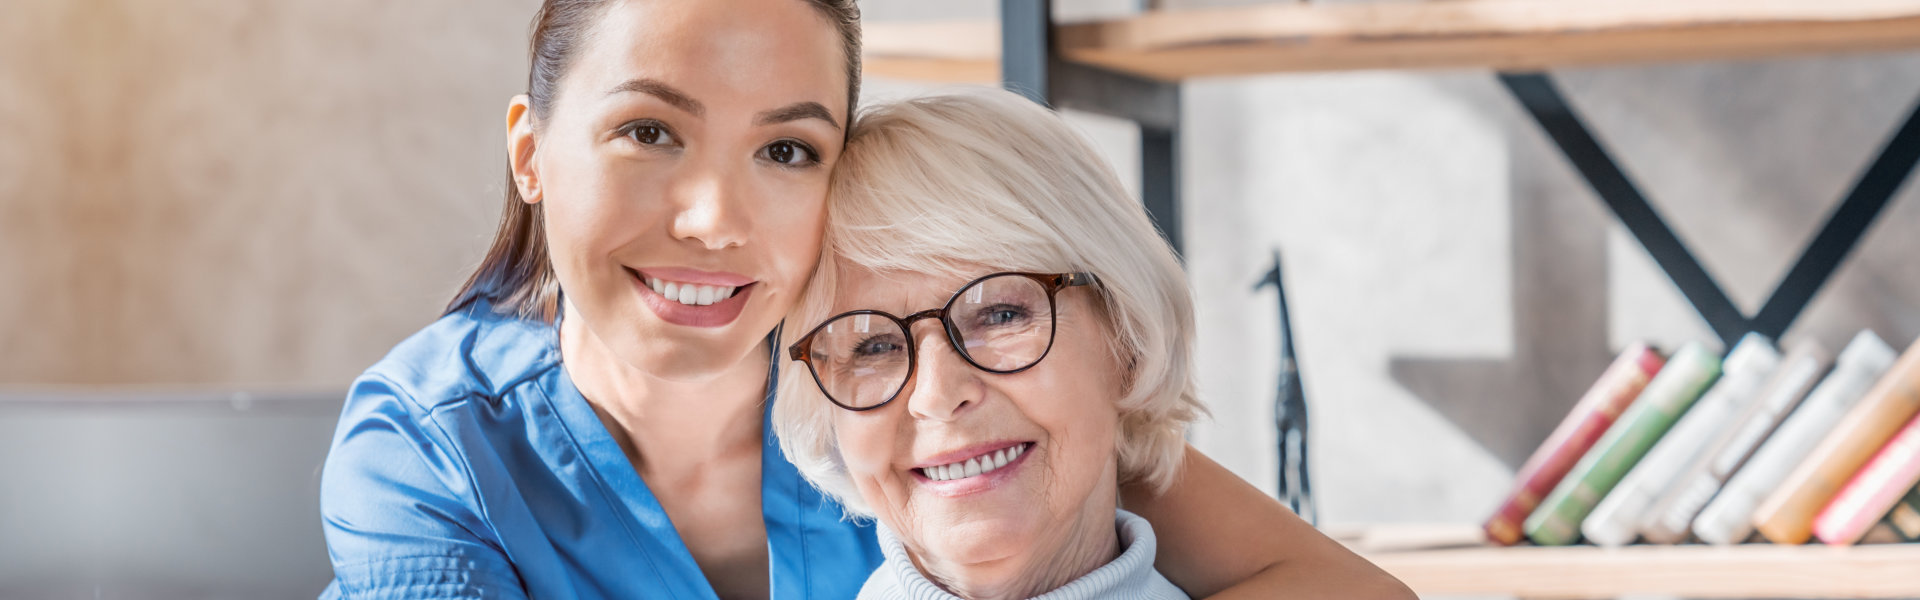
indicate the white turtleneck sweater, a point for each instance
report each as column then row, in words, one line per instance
column 1129, row 577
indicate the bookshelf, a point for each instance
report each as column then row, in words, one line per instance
column 1453, row 560
column 1503, row 35
column 1132, row 67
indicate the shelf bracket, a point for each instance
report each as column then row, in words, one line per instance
column 1843, row 230
column 1030, row 66
column 1542, row 99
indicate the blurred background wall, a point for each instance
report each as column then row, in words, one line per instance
column 220, row 194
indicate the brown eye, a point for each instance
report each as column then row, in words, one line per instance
column 789, row 153
column 649, row 134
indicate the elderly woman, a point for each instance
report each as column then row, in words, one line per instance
column 996, row 338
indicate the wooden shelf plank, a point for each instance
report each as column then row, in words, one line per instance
column 953, row 52
column 1691, row 571
column 1496, row 34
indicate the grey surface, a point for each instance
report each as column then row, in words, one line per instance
column 162, row 496
column 212, row 192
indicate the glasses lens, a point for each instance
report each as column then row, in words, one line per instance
column 860, row 360
column 1004, row 323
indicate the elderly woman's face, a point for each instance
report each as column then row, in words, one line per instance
column 1059, row 417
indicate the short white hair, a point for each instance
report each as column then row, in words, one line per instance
column 944, row 184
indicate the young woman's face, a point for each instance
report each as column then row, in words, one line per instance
column 683, row 168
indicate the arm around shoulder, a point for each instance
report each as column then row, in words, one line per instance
column 1221, row 538
column 397, row 508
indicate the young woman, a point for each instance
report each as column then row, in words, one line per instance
column 589, row 418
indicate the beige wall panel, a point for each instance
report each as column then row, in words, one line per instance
column 251, row 192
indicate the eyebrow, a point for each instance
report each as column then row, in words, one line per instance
column 664, row 92
column 796, row 112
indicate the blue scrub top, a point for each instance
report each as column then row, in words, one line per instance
column 466, row 465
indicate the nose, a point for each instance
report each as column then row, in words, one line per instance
column 708, row 207
column 943, row 383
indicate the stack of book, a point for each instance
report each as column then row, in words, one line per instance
column 1789, row 448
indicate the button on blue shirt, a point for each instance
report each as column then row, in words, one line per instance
column 466, row 465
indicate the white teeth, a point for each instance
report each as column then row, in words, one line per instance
column 690, row 294
column 986, row 463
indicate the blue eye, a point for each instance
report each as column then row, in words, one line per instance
column 876, row 346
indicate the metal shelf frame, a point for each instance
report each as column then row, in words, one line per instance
column 1032, row 65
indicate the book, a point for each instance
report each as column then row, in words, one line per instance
column 1905, row 516
column 1671, row 517
column 1556, row 522
column 1616, row 520
column 1786, row 516
column 1616, row 388
column 1882, row 532
column 1728, row 518
column 1873, row 492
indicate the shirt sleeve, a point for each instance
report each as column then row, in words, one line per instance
column 398, row 508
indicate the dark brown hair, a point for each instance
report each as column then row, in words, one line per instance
column 516, row 276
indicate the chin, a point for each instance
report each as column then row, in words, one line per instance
column 689, row 355
column 982, row 538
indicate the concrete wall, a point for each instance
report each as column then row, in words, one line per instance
column 219, row 191
column 228, row 193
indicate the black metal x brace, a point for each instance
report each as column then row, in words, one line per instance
column 1031, row 66
column 1837, row 238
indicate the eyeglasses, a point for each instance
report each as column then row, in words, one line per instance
column 1001, row 323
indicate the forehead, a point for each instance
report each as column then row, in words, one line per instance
column 859, row 287
column 729, row 54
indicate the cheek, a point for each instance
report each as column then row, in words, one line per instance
column 1076, row 408
column 794, row 220
column 586, row 204
column 867, row 446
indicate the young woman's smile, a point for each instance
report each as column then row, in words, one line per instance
column 684, row 178
column 692, row 297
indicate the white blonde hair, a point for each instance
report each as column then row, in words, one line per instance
column 942, row 185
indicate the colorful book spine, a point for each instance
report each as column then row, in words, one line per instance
column 1873, row 492
column 1602, row 404
column 1616, row 520
column 1671, row 517
column 1786, row 517
column 1728, row 518
column 1905, row 516
column 1557, row 521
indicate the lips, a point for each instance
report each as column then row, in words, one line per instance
column 964, row 473
column 693, row 298
column 689, row 293
column 978, row 465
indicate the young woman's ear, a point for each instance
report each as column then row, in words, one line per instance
column 520, row 149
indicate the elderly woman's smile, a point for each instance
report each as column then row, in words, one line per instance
column 994, row 342
column 961, row 467
column 986, row 470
